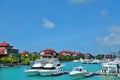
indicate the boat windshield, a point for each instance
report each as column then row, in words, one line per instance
column 49, row 68
column 77, row 69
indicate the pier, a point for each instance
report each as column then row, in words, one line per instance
column 88, row 74
column 106, row 74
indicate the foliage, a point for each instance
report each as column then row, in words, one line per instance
column 68, row 57
column 81, row 56
column 12, row 59
column 34, row 56
column 76, row 57
column 61, row 57
column 100, row 56
column 3, row 60
column 26, row 58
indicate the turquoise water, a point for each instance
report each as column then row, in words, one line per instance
column 18, row 74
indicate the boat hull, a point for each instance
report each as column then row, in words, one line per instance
column 77, row 75
column 32, row 72
column 46, row 72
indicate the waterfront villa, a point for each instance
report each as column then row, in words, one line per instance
column 48, row 53
column 26, row 53
column 6, row 50
column 88, row 56
column 70, row 53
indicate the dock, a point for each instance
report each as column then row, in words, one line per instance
column 88, row 74
column 106, row 74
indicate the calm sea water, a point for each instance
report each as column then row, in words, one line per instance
column 18, row 74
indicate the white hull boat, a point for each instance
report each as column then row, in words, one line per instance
column 48, row 72
column 38, row 65
column 78, row 72
column 95, row 61
column 51, row 67
column 32, row 72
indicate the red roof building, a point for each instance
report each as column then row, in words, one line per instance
column 1, row 51
column 48, row 53
column 87, row 56
column 70, row 53
column 6, row 49
column 4, row 44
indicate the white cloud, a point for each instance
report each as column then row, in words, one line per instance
column 48, row 24
column 79, row 1
column 113, row 39
column 104, row 12
column 115, row 29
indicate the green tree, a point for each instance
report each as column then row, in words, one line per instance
column 12, row 59
column 4, row 60
column 35, row 56
column 61, row 57
column 65, row 58
column 76, row 57
column 25, row 60
column 100, row 56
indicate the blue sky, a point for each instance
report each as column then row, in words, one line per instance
column 77, row 25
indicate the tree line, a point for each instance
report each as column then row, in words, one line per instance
column 22, row 59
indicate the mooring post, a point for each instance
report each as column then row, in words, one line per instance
column 117, row 68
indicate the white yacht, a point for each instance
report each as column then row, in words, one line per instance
column 86, row 61
column 75, row 60
column 78, row 72
column 109, row 64
column 95, row 61
column 109, row 67
column 38, row 65
column 52, row 66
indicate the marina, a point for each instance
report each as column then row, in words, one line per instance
column 63, row 75
column 60, row 40
column 88, row 74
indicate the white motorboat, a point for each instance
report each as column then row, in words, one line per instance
column 109, row 67
column 95, row 61
column 78, row 72
column 35, row 68
column 86, row 61
column 75, row 60
column 51, row 67
column 109, row 64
